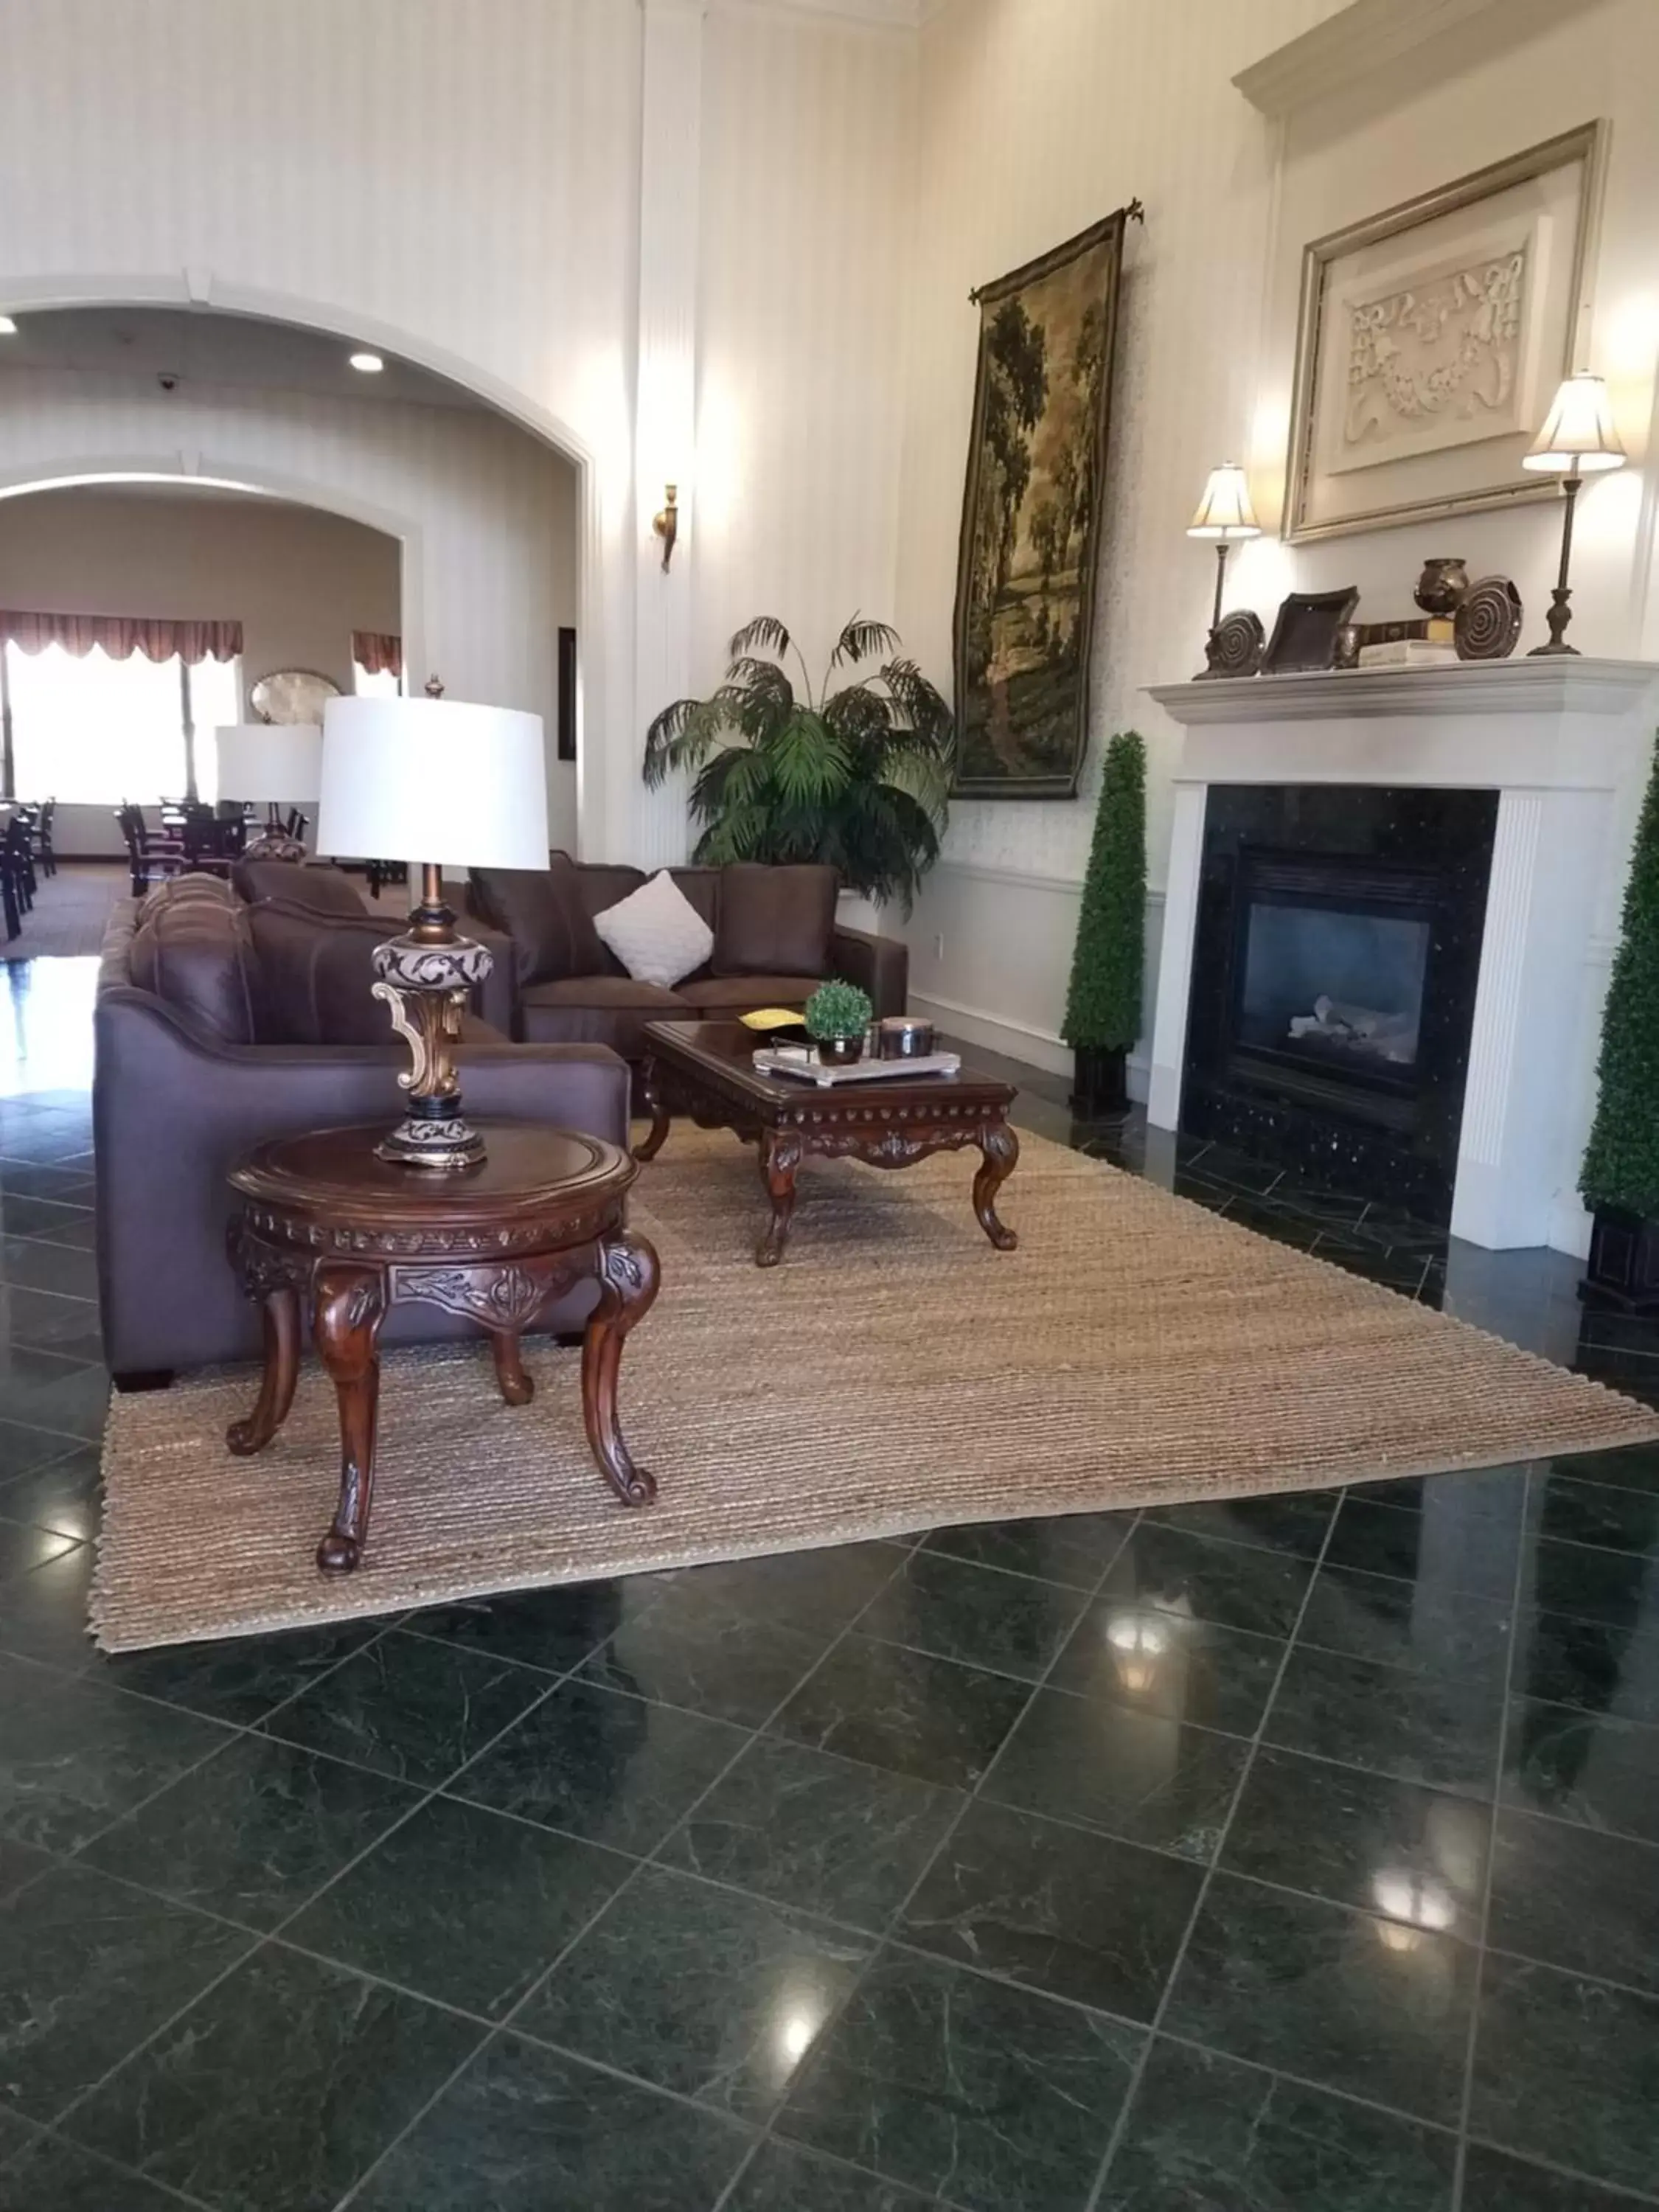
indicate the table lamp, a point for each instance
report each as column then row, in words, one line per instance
column 1225, row 515
column 1577, row 439
column 467, row 784
column 281, row 763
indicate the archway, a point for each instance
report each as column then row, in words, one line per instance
column 489, row 502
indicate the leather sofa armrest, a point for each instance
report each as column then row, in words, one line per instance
column 880, row 966
column 172, row 1112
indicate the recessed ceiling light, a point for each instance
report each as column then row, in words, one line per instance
column 8, row 328
column 370, row 363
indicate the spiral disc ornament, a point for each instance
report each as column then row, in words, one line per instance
column 1487, row 622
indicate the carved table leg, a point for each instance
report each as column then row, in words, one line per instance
column 348, row 1307
column 653, row 1098
column 517, row 1388
column 1001, row 1149
column 281, row 1327
column 628, row 1287
column 779, row 1156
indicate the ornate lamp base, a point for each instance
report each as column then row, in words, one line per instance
column 426, row 976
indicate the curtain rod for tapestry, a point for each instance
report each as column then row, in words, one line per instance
column 158, row 637
column 1135, row 212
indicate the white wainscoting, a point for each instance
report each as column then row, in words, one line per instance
column 999, row 979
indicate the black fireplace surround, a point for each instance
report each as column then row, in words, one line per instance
column 1334, row 966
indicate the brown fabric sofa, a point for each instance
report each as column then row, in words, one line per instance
column 776, row 940
column 218, row 1024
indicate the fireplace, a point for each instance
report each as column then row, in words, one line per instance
column 1337, row 953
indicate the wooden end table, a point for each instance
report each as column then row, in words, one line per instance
column 322, row 1219
column 707, row 1070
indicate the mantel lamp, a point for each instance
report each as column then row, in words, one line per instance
column 1577, row 440
column 435, row 776
column 281, row 763
column 1224, row 515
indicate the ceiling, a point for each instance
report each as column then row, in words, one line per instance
column 200, row 347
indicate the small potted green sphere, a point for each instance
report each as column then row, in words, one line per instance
column 837, row 1015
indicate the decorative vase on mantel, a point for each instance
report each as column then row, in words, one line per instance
column 1442, row 584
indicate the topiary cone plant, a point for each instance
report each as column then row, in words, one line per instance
column 1102, row 1006
column 856, row 777
column 1620, row 1180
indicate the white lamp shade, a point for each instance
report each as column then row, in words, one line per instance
column 1578, row 432
column 1225, row 511
column 271, row 762
column 433, row 780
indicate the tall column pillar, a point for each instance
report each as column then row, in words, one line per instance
column 650, row 827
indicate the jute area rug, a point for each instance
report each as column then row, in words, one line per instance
column 894, row 1374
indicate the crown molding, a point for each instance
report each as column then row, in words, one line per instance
column 1366, row 35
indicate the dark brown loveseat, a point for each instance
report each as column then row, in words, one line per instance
column 776, row 940
column 218, row 1024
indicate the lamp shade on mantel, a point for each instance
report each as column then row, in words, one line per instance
column 433, row 780
column 280, row 764
column 1578, row 437
column 1225, row 512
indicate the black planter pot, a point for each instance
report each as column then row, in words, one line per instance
column 839, row 1052
column 1623, row 1273
column 1099, row 1083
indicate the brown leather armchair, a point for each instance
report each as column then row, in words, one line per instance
column 192, row 1067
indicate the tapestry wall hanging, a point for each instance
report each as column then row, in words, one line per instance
column 1031, row 517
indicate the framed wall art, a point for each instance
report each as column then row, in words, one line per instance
column 1031, row 517
column 1432, row 338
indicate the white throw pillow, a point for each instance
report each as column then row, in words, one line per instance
column 656, row 932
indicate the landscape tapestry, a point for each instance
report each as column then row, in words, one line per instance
column 1030, row 519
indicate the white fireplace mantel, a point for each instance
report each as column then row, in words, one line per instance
column 1564, row 742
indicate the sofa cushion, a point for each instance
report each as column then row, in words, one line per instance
column 323, row 889
column 542, row 911
column 656, row 932
column 213, row 891
column 314, row 976
column 743, row 994
column 609, row 1010
column 197, row 956
column 775, row 921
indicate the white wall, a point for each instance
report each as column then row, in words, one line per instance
column 486, row 513
column 808, row 130
column 1038, row 116
column 299, row 580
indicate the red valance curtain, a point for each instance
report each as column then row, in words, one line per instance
column 378, row 651
column 157, row 637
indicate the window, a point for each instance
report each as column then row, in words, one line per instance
column 375, row 684
column 90, row 730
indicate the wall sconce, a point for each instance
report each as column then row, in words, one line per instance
column 666, row 523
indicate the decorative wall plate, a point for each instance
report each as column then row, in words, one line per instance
column 1487, row 623
column 292, row 695
column 1234, row 645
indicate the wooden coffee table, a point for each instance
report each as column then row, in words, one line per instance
column 322, row 1219
column 705, row 1070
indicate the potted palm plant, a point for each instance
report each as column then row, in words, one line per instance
column 1103, row 1005
column 1620, row 1180
column 857, row 777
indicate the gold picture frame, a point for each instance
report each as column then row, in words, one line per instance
column 1430, row 340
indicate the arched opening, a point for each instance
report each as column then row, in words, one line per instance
column 218, row 413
